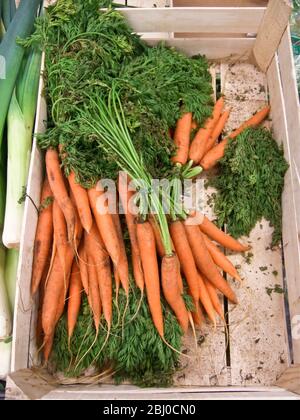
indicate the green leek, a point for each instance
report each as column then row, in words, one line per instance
column 20, row 122
column 11, row 53
column 8, row 11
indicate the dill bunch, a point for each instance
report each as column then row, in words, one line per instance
column 135, row 353
column 250, row 183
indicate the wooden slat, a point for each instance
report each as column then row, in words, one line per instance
column 220, row 3
column 291, row 205
column 22, row 332
column 258, row 345
column 270, row 33
column 214, row 49
column 290, row 380
column 194, row 19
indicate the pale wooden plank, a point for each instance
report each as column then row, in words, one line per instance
column 194, row 19
column 270, row 33
column 290, row 227
column 208, row 365
column 220, row 3
column 258, row 345
column 24, row 304
column 290, row 380
column 231, row 49
column 289, row 89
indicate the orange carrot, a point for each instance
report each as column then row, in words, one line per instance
column 158, row 240
column 169, row 281
column 217, row 152
column 94, row 292
column 194, row 125
column 100, row 258
column 198, row 146
column 205, row 263
column 214, row 298
column 74, row 300
column 83, row 267
column 182, row 138
column 211, row 230
column 107, row 231
column 82, row 202
column 55, row 291
column 205, row 300
column 123, row 262
column 197, row 314
column 57, row 184
column 60, row 234
column 186, row 258
column 146, row 241
column 217, row 131
column 220, row 259
column 125, row 197
column 43, row 237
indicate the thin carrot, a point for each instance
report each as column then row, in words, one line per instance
column 39, row 326
column 217, row 131
column 94, row 293
column 205, row 263
column 58, row 187
column 169, row 281
column 125, row 197
column 43, row 237
column 158, row 240
column 146, row 241
column 103, row 269
column 82, row 202
column 198, row 146
column 217, row 152
column 205, row 300
column 83, row 267
column 122, row 268
column 197, row 313
column 220, row 259
column 186, row 258
column 212, row 291
column 182, row 138
column 194, row 125
column 213, row 232
column 74, row 300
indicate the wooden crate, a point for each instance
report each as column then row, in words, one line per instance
column 263, row 356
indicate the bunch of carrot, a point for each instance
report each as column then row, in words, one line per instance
column 79, row 249
column 204, row 150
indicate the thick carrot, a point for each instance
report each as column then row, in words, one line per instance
column 169, row 281
column 107, row 229
column 220, row 259
column 82, row 202
column 205, row 300
column 100, row 258
column 205, row 263
column 146, row 241
column 182, row 138
column 211, row 230
column 55, row 291
column 186, row 258
column 212, row 291
column 198, row 146
column 217, row 131
column 83, row 267
column 58, row 187
column 43, row 237
column 217, row 152
column 158, row 240
column 74, row 300
column 125, row 197
column 60, row 234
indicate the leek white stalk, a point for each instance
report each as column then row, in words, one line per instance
column 5, row 352
column 20, row 122
column 5, row 312
column 11, row 269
